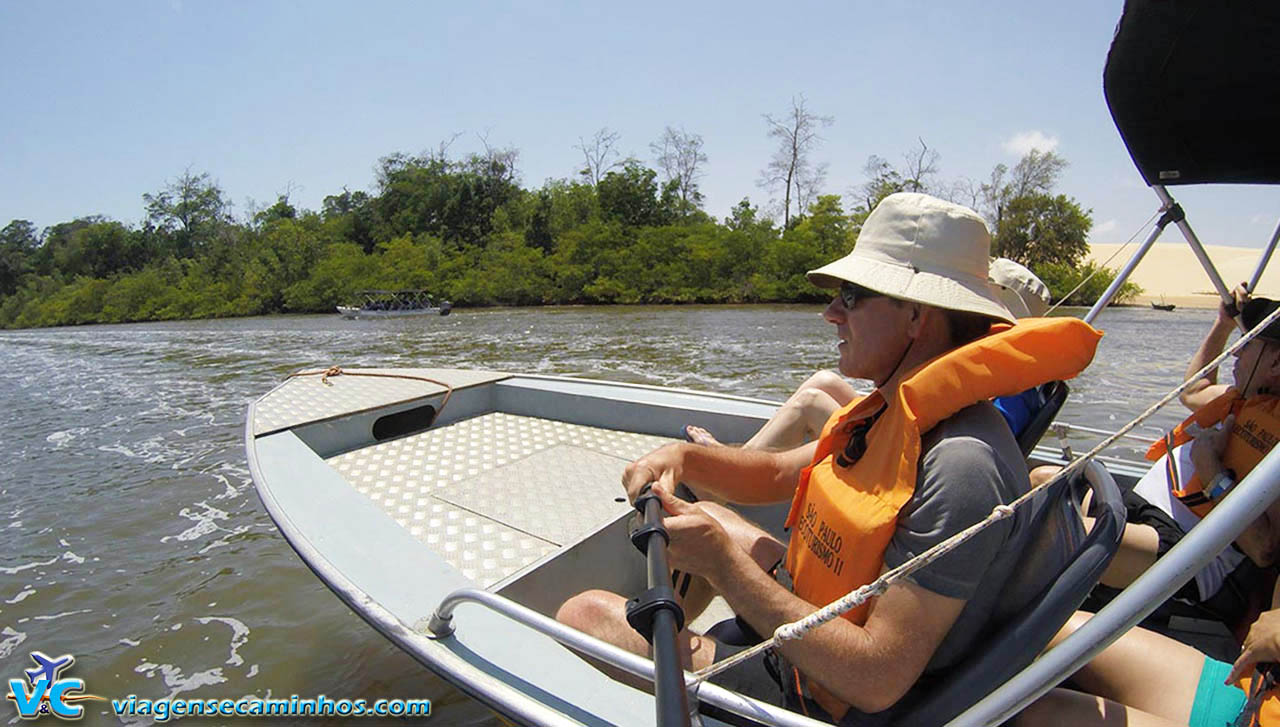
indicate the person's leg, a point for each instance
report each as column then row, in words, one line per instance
column 1042, row 474
column 1069, row 708
column 603, row 614
column 1142, row 670
column 801, row 417
column 1139, row 546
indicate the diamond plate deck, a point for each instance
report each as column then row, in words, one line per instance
column 477, row 491
column 304, row 399
column 584, row 480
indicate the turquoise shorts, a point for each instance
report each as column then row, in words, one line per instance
column 1217, row 704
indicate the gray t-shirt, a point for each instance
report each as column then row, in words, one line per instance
column 971, row 463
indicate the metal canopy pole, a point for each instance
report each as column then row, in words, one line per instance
column 1223, row 291
column 1253, row 495
column 1124, row 274
column 1266, row 258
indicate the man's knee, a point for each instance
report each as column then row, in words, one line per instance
column 814, row 399
column 828, row 382
column 589, row 611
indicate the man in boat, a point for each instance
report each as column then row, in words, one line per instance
column 910, row 297
column 1145, row 678
column 802, row 415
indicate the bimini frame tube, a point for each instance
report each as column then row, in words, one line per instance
column 1200, row 546
column 1266, row 258
column 1173, row 213
column 1124, row 274
column 1223, row 291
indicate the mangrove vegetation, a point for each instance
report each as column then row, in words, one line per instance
column 466, row 228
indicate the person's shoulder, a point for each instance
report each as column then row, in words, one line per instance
column 981, row 421
column 974, row 442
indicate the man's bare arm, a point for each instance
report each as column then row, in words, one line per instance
column 744, row 476
column 870, row 667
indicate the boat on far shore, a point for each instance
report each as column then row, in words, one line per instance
column 394, row 303
column 1163, row 305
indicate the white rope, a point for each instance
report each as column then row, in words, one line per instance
column 855, row 598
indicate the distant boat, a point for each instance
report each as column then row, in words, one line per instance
column 1162, row 305
column 394, row 303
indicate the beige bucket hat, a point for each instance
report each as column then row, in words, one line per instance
column 1025, row 295
column 924, row 249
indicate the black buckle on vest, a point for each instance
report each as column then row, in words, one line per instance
column 857, row 444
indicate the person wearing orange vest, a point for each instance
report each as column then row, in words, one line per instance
column 1171, row 498
column 1145, row 678
column 920, row 459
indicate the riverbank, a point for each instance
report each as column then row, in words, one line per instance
column 1171, row 273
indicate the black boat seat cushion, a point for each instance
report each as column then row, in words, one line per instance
column 1051, row 580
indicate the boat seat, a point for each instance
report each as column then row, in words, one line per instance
column 1050, row 581
column 1030, row 413
column 1055, row 395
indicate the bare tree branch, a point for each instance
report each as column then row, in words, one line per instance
column 599, row 154
column 680, row 156
column 791, row 167
column 922, row 168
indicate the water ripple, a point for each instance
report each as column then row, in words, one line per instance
column 127, row 499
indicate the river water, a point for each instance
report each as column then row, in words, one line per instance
column 131, row 536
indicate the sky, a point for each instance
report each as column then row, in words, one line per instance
column 106, row 101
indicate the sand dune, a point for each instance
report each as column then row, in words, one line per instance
column 1173, row 271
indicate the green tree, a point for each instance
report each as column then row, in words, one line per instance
column 572, row 204
column 187, row 214
column 1037, row 229
column 1083, row 284
column 828, row 228
column 281, row 210
column 538, row 233
column 18, row 242
column 631, row 196
column 341, row 269
column 352, row 217
column 451, row 200
column 882, row 181
column 1035, row 173
column 20, row 235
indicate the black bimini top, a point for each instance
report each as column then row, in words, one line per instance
column 1194, row 88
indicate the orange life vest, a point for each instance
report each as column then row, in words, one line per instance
column 842, row 518
column 1255, row 432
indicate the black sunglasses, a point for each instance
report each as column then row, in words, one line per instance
column 851, row 293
